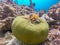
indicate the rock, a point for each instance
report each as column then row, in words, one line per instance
column 14, row 41
column 4, row 40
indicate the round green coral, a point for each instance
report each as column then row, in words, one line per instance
column 28, row 32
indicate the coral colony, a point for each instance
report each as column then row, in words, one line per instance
column 42, row 27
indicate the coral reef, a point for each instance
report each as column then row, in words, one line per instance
column 8, row 11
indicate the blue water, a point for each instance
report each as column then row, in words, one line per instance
column 39, row 4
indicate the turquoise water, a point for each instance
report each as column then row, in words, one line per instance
column 39, row 4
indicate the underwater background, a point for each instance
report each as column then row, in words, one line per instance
column 39, row 4
column 9, row 11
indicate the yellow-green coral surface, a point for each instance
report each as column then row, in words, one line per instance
column 28, row 32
